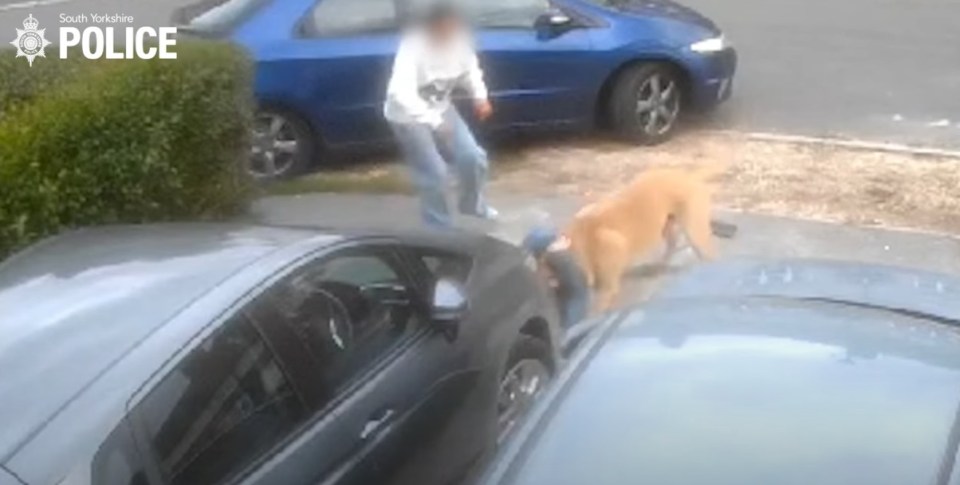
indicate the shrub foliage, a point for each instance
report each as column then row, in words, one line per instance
column 121, row 141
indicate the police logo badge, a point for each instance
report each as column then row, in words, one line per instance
column 30, row 41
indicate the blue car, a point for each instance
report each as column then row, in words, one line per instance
column 322, row 67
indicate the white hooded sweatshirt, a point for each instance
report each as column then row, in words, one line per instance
column 424, row 75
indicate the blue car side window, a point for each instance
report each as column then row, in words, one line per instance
column 342, row 18
column 507, row 14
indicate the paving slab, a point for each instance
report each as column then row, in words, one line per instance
column 758, row 236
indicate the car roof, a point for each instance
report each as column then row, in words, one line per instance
column 726, row 386
column 73, row 305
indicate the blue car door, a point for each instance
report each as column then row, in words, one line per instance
column 338, row 62
column 534, row 79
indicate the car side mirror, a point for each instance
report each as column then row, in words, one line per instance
column 448, row 306
column 552, row 23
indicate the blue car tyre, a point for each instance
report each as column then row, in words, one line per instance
column 282, row 145
column 645, row 103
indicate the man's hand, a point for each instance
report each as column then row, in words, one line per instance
column 483, row 109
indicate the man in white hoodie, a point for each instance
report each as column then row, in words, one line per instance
column 434, row 58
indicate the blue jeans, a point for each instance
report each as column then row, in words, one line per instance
column 574, row 307
column 422, row 149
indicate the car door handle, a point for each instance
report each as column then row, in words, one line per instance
column 376, row 423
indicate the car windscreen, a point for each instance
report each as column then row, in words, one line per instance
column 754, row 393
column 216, row 17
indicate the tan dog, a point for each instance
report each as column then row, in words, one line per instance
column 609, row 234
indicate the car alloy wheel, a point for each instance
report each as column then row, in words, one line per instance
column 644, row 105
column 658, row 104
column 276, row 147
column 521, row 385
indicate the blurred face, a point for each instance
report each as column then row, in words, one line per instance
column 443, row 29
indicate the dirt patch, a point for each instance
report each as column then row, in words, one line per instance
column 867, row 188
column 372, row 178
column 811, row 181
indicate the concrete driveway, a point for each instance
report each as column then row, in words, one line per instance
column 758, row 236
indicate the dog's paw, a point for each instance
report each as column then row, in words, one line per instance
column 681, row 258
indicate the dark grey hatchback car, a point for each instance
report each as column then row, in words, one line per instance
column 207, row 354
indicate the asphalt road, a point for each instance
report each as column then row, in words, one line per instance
column 882, row 70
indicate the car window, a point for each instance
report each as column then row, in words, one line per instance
column 216, row 16
column 117, row 461
column 506, row 14
column 220, row 409
column 340, row 18
column 447, row 265
column 349, row 310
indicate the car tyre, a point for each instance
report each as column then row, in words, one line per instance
column 525, row 376
column 645, row 103
column 282, row 146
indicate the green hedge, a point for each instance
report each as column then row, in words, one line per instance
column 121, row 141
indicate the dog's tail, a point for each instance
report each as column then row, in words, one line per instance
column 710, row 172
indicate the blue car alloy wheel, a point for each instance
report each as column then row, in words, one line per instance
column 281, row 146
column 646, row 103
